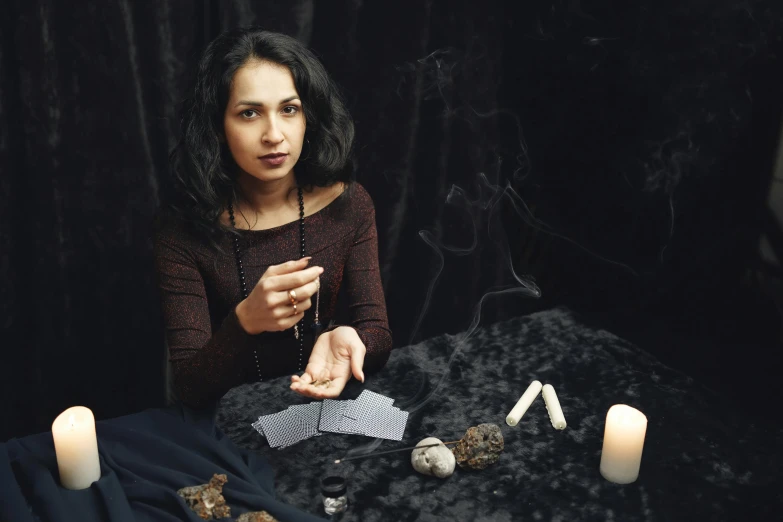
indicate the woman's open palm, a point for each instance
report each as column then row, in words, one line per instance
column 336, row 355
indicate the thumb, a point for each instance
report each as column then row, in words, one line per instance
column 357, row 363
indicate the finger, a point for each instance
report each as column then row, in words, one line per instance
column 294, row 280
column 288, row 322
column 357, row 362
column 283, row 298
column 287, row 310
column 305, row 291
column 288, row 267
column 301, row 389
column 285, row 282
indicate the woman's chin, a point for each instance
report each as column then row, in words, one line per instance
column 269, row 175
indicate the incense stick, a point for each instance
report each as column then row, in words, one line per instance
column 374, row 454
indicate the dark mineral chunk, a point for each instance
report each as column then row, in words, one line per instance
column 480, row 447
column 207, row 499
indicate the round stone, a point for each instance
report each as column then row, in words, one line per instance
column 436, row 461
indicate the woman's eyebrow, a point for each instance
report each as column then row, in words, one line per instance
column 259, row 104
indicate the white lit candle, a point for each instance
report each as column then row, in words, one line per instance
column 524, row 402
column 76, row 446
column 623, row 443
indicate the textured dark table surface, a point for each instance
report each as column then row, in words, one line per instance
column 701, row 460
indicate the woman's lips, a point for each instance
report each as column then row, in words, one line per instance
column 276, row 159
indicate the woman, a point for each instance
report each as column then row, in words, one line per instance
column 266, row 233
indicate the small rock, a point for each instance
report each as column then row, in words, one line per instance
column 206, row 500
column 437, row 460
column 480, row 447
column 256, row 516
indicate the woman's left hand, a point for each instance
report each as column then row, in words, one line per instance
column 336, row 355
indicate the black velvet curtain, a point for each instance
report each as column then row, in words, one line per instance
column 617, row 153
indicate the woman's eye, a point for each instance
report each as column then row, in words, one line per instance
column 291, row 109
column 248, row 113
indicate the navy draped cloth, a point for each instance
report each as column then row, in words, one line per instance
column 145, row 458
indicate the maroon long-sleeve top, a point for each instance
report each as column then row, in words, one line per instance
column 209, row 350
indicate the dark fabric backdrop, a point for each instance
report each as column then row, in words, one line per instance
column 630, row 144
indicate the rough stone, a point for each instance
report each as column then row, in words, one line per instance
column 480, row 447
column 206, row 500
column 436, row 461
column 256, row 516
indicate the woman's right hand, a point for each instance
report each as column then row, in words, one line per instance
column 268, row 308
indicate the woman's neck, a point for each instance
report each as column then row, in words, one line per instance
column 267, row 197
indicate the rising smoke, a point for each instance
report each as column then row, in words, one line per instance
column 687, row 105
column 437, row 75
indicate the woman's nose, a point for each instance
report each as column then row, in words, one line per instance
column 272, row 133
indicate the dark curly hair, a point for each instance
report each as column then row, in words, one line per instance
column 203, row 169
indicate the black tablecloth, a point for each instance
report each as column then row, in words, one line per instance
column 702, row 460
column 145, row 459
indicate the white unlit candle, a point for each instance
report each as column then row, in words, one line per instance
column 523, row 403
column 624, row 433
column 76, row 446
column 556, row 416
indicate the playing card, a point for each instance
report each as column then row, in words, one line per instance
column 309, row 414
column 387, row 424
column 367, row 400
column 283, row 428
column 349, row 425
column 331, row 415
column 371, row 414
column 257, row 426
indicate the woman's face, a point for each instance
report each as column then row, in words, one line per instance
column 264, row 123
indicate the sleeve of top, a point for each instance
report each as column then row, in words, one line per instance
column 204, row 363
column 364, row 293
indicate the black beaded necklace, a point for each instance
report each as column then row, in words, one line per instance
column 298, row 328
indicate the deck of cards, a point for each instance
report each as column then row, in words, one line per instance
column 371, row 414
